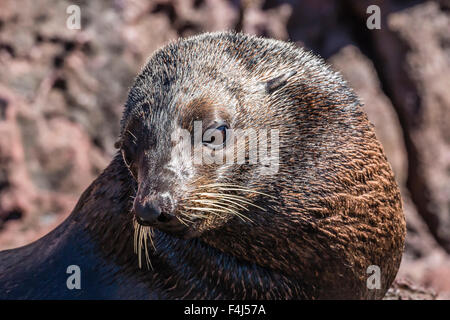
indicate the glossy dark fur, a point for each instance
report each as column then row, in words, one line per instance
column 336, row 208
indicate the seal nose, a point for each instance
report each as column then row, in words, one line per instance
column 148, row 212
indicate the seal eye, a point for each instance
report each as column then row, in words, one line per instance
column 131, row 165
column 129, row 152
column 215, row 136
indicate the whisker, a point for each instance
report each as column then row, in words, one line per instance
column 246, row 190
column 224, row 206
column 134, row 137
column 233, row 204
column 182, row 221
column 135, row 235
column 217, row 205
column 234, row 187
column 234, row 197
column 140, row 247
column 212, row 210
column 224, row 210
column 147, row 232
column 191, row 215
column 142, row 234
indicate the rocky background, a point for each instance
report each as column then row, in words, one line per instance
column 62, row 92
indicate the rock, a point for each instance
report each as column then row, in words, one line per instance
column 426, row 110
column 45, row 165
column 412, row 61
column 405, row 290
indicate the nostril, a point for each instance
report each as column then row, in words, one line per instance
column 164, row 217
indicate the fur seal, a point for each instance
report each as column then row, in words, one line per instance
column 308, row 230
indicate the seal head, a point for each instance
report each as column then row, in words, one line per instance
column 308, row 194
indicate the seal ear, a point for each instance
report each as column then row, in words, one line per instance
column 275, row 83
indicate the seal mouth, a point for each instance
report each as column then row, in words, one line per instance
column 212, row 206
column 144, row 233
column 142, row 222
column 172, row 226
